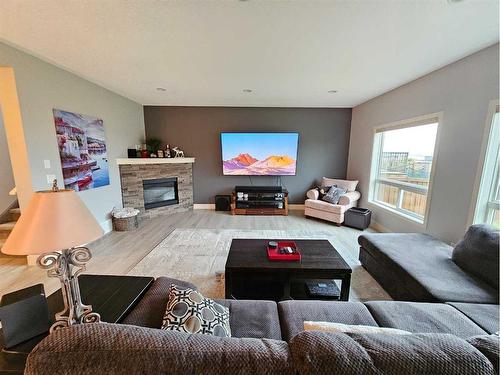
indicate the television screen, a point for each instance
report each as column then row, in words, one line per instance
column 259, row 154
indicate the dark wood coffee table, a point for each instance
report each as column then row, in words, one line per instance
column 111, row 296
column 250, row 275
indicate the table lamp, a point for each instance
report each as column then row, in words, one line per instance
column 56, row 223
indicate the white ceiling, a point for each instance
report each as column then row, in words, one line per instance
column 290, row 53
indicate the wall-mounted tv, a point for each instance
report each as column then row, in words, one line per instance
column 259, row 154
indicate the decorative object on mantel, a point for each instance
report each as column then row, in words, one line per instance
column 161, row 153
column 142, row 150
column 55, row 224
column 82, row 149
column 132, row 153
column 178, row 153
column 168, row 154
column 153, row 145
column 125, row 219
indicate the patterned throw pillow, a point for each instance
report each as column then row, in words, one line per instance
column 188, row 311
column 333, row 195
column 322, row 190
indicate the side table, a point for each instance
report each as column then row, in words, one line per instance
column 111, row 296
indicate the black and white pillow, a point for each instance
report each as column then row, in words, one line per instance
column 322, row 190
column 333, row 195
column 188, row 311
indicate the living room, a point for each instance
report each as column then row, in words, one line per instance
column 320, row 176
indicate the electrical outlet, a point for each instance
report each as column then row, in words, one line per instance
column 51, row 178
column 46, row 164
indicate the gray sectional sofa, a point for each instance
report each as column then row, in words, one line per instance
column 448, row 338
column 419, row 267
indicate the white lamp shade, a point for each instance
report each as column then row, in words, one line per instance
column 53, row 220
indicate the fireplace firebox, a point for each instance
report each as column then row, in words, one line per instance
column 160, row 192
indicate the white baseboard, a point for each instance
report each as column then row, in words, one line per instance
column 378, row 227
column 204, row 206
column 211, row 206
column 107, row 226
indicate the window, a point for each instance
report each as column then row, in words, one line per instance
column 488, row 201
column 402, row 166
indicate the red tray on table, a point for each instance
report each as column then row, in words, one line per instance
column 274, row 254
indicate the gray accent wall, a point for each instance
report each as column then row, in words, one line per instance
column 462, row 91
column 323, row 143
column 42, row 87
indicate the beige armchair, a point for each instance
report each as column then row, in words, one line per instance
column 314, row 207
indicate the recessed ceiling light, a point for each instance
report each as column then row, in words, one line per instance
column 161, row 89
column 454, row 1
column 332, row 91
column 247, row 90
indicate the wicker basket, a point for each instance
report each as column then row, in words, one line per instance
column 126, row 223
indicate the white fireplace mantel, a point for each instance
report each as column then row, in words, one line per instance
column 130, row 161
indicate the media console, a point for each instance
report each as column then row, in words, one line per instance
column 259, row 200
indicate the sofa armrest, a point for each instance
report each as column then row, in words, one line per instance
column 313, row 194
column 102, row 348
column 349, row 198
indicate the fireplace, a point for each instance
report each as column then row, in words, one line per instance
column 136, row 176
column 160, row 192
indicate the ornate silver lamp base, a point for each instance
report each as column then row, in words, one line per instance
column 66, row 266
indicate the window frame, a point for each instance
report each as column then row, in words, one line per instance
column 481, row 197
column 375, row 167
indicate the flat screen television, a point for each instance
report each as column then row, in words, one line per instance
column 259, row 154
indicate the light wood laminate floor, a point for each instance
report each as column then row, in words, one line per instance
column 117, row 253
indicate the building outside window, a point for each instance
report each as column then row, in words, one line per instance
column 488, row 200
column 402, row 164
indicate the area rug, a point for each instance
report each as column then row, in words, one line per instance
column 199, row 256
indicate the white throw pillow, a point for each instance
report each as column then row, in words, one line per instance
column 347, row 328
column 346, row 184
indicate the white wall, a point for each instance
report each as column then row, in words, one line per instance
column 42, row 87
column 462, row 91
column 6, row 177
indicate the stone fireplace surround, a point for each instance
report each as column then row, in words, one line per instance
column 134, row 171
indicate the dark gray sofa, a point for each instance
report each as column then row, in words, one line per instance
column 267, row 339
column 419, row 267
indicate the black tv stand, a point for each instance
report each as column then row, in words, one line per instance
column 259, row 200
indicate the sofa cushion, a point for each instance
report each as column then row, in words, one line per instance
column 484, row 315
column 478, row 253
column 190, row 312
column 325, row 206
column 423, row 265
column 151, row 308
column 349, row 185
column 293, row 314
column 103, row 348
column 419, row 317
column 437, row 354
column 256, row 319
column 489, row 345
